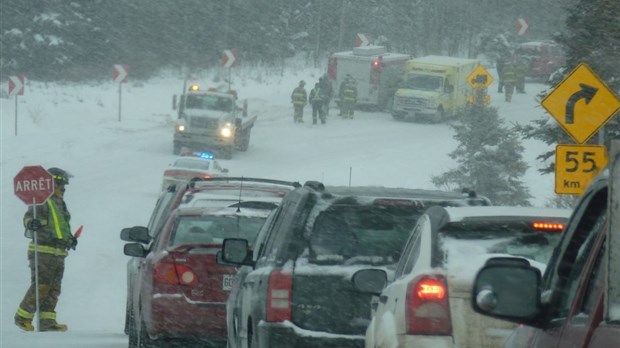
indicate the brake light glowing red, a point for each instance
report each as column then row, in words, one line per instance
column 279, row 296
column 167, row 272
column 430, row 289
column 427, row 309
column 548, row 226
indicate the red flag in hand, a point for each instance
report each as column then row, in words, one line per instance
column 78, row 232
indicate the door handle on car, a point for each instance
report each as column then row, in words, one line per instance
column 383, row 299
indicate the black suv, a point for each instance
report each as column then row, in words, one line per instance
column 295, row 289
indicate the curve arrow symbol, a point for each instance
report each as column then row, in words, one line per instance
column 586, row 92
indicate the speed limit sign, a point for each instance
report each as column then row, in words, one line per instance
column 576, row 166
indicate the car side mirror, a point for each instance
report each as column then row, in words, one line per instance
column 235, row 251
column 369, row 281
column 135, row 249
column 224, row 170
column 136, row 234
column 508, row 289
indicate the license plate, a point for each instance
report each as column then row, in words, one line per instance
column 227, row 282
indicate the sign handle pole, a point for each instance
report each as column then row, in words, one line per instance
column 36, row 268
column 16, row 114
column 119, row 100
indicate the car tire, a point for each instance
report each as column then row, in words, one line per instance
column 133, row 335
column 440, row 115
column 245, row 141
column 144, row 340
column 226, row 152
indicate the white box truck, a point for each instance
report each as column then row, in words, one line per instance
column 433, row 88
column 375, row 70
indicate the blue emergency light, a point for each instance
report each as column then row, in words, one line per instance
column 204, row 155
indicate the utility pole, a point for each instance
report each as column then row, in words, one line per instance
column 318, row 34
column 341, row 34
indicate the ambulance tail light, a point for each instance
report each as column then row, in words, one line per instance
column 427, row 309
column 279, row 296
column 375, row 72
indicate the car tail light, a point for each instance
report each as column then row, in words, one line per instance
column 547, row 226
column 279, row 296
column 427, row 308
column 167, row 272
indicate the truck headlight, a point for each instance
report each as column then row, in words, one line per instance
column 180, row 128
column 226, row 132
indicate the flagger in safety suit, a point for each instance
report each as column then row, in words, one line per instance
column 54, row 239
column 299, row 98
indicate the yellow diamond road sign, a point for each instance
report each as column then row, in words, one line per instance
column 576, row 166
column 480, row 77
column 581, row 103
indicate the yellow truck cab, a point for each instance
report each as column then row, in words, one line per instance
column 433, row 88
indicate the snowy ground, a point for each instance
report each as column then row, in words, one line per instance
column 118, row 167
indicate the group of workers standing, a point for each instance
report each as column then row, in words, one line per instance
column 512, row 71
column 320, row 97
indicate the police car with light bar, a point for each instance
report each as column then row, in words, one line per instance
column 192, row 165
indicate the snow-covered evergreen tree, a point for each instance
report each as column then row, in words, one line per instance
column 489, row 158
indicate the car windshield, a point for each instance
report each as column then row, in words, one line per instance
column 208, row 102
column 424, row 82
column 516, row 238
column 213, row 229
column 192, row 164
column 361, row 233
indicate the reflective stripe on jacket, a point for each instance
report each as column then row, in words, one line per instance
column 299, row 96
column 349, row 93
column 55, row 229
column 315, row 95
column 47, row 250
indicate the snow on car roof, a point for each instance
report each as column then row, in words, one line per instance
column 460, row 213
column 223, row 211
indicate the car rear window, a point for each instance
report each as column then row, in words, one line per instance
column 213, row 229
column 516, row 238
column 365, row 234
column 192, row 164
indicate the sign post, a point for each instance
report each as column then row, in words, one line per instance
column 362, row 40
column 522, row 26
column 480, row 80
column 576, row 166
column 229, row 60
column 34, row 185
column 119, row 76
column 581, row 104
column 16, row 87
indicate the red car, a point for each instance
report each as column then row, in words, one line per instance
column 182, row 289
column 544, row 57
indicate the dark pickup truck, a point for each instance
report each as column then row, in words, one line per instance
column 576, row 303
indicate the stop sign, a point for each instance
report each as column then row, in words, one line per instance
column 33, row 185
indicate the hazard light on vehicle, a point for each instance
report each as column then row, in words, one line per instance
column 548, row 226
column 194, row 88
